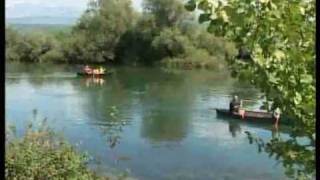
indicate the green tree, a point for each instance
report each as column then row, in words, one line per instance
column 99, row 30
column 171, row 43
column 28, row 47
column 166, row 32
column 135, row 45
column 12, row 39
column 167, row 13
column 281, row 38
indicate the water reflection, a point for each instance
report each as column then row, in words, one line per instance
column 13, row 80
column 164, row 126
column 167, row 107
column 93, row 81
column 36, row 70
column 234, row 128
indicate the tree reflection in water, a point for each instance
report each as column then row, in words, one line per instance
column 164, row 127
column 113, row 129
column 234, row 128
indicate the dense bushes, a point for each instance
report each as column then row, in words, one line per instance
column 40, row 154
column 30, row 47
column 111, row 31
column 171, row 43
column 96, row 35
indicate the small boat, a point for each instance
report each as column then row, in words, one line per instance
column 257, row 116
column 94, row 75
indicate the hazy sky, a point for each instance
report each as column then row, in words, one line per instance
column 22, row 8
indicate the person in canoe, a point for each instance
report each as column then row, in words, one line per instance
column 235, row 106
column 99, row 71
column 96, row 71
column 102, row 70
column 276, row 114
column 241, row 110
column 87, row 69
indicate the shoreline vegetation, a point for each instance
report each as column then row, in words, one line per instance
column 42, row 153
column 111, row 32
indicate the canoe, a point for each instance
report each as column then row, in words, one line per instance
column 94, row 75
column 249, row 115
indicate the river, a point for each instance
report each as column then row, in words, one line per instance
column 150, row 122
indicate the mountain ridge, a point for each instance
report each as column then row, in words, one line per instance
column 63, row 20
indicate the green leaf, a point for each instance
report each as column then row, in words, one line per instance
column 224, row 16
column 264, row 1
column 214, row 24
column 302, row 10
column 204, row 17
column 306, row 78
column 297, row 99
column 191, row 5
column 203, row 5
column 292, row 79
column 272, row 78
column 279, row 54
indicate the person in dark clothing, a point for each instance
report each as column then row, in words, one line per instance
column 234, row 104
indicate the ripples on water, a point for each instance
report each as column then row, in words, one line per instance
column 153, row 123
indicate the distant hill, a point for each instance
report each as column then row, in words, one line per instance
column 51, row 28
column 42, row 20
column 48, row 12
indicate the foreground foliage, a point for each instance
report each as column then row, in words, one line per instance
column 41, row 154
column 280, row 35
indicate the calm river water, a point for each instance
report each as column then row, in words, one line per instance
column 152, row 123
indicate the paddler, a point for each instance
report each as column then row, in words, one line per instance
column 276, row 114
column 96, row 71
column 87, row 69
column 234, row 104
column 241, row 110
column 101, row 70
